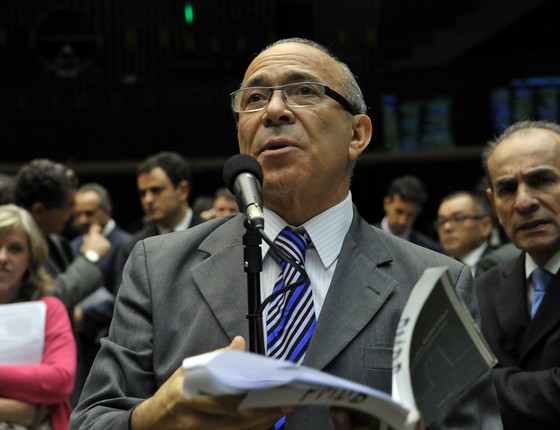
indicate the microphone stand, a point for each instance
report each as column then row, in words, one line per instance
column 252, row 255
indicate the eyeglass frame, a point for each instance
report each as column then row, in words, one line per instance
column 458, row 220
column 329, row 92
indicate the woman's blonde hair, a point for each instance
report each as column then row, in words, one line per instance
column 36, row 281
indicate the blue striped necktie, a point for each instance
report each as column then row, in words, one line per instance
column 291, row 315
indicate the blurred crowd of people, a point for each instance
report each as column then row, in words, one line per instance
column 501, row 233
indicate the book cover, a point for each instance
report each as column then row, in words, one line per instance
column 439, row 350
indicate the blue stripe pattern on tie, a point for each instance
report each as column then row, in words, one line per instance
column 291, row 315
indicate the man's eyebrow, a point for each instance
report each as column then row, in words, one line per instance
column 541, row 170
column 505, row 181
column 253, row 82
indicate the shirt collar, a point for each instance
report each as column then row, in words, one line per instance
column 385, row 227
column 109, row 227
column 326, row 230
column 472, row 258
column 552, row 265
column 183, row 224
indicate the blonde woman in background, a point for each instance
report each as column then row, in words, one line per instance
column 34, row 396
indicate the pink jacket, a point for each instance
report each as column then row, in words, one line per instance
column 52, row 381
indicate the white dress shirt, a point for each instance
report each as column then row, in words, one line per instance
column 327, row 231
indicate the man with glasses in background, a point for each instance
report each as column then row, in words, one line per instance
column 464, row 226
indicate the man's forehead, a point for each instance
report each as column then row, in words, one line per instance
column 526, row 147
column 289, row 62
column 538, row 137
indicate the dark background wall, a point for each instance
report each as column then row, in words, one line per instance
column 101, row 84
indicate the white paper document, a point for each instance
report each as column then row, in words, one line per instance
column 273, row 383
column 22, row 332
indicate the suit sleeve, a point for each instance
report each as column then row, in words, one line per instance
column 122, row 374
column 80, row 279
column 528, row 399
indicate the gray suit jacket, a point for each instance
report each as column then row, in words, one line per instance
column 185, row 293
column 75, row 278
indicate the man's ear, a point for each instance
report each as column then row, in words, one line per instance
column 37, row 209
column 185, row 188
column 490, row 196
column 386, row 202
column 361, row 135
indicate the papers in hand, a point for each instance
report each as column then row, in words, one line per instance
column 22, row 332
column 438, row 353
column 274, row 383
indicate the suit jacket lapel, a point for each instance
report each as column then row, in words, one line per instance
column 510, row 300
column 357, row 281
column 224, row 268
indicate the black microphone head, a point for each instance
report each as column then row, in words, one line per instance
column 241, row 163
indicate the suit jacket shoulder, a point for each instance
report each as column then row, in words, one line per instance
column 419, row 238
column 423, row 240
column 495, row 256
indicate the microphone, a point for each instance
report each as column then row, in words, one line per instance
column 243, row 176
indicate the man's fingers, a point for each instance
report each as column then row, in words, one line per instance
column 343, row 421
column 95, row 229
column 237, row 343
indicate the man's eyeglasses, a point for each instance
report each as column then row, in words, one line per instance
column 296, row 95
column 456, row 221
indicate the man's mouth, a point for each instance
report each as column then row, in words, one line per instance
column 276, row 147
column 276, row 144
column 532, row 225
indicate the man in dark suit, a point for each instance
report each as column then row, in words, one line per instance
column 93, row 211
column 464, row 226
column 93, row 208
column 523, row 165
column 403, row 204
column 164, row 182
column 47, row 189
column 301, row 114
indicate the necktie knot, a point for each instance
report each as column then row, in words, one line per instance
column 294, row 243
column 541, row 279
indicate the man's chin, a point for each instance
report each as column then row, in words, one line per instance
column 536, row 244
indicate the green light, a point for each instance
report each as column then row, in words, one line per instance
column 189, row 13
